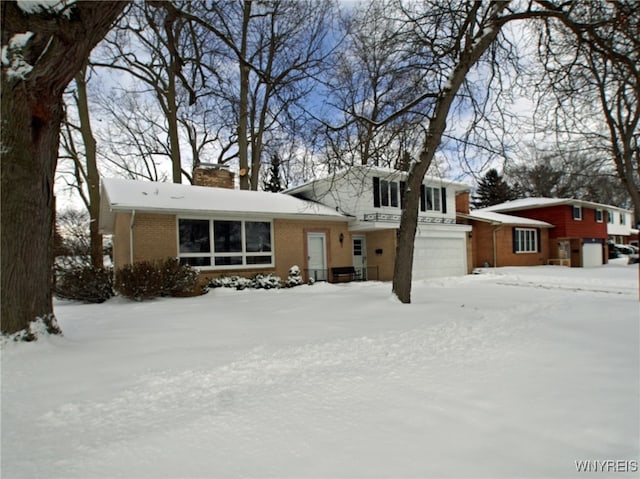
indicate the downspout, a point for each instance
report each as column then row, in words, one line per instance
column 131, row 223
column 495, row 247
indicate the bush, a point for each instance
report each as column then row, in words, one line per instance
column 150, row 279
column 295, row 277
column 85, row 283
column 259, row 281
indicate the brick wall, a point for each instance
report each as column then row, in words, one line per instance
column 483, row 247
column 155, row 236
column 462, row 202
column 214, row 177
column 384, row 240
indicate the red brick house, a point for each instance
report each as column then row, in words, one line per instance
column 579, row 232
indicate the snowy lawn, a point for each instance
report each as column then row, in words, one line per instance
column 513, row 372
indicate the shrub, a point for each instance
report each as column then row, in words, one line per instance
column 147, row 279
column 85, row 283
column 259, row 281
column 295, row 277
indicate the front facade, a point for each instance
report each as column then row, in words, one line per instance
column 579, row 234
column 372, row 198
column 505, row 240
column 223, row 231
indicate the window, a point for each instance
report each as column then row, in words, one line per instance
column 525, row 240
column 224, row 243
column 385, row 193
column 577, row 213
column 610, row 217
column 599, row 216
column 623, row 218
column 430, row 199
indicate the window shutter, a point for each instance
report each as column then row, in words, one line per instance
column 515, row 240
column 376, row 192
column 423, row 198
column 403, row 187
column 444, row 199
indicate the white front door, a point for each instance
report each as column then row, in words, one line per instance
column 317, row 256
column 359, row 253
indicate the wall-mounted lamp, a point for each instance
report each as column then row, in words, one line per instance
column 341, row 238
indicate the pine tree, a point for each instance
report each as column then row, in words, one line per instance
column 272, row 182
column 492, row 190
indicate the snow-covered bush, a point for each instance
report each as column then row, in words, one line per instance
column 259, row 281
column 150, row 279
column 295, row 277
column 85, row 283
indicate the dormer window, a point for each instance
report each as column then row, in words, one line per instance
column 577, row 213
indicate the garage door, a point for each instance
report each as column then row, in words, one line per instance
column 591, row 255
column 439, row 257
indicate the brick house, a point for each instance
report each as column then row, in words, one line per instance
column 347, row 220
column 579, row 232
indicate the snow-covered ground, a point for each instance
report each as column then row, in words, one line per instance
column 512, row 372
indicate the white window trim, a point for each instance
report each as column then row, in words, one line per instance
column 533, row 240
column 601, row 213
column 213, row 255
column 573, row 212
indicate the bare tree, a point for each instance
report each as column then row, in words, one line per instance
column 591, row 57
column 85, row 162
column 45, row 48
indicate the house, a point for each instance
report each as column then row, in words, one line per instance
column 579, row 232
column 220, row 230
column 506, row 240
column 348, row 220
column 620, row 225
column 372, row 197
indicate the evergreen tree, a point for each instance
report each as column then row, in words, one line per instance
column 492, row 190
column 272, row 181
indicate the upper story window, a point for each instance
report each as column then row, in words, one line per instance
column 389, row 194
column 609, row 216
column 525, row 240
column 386, row 193
column 224, row 243
column 623, row 218
column 577, row 213
column 599, row 216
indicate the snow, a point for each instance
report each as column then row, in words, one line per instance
column 128, row 195
column 483, row 214
column 528, row 203
column 38, row 6
column 12, row 56
column 511, row 372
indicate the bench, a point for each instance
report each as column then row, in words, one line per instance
column 349, row 273
column 559, row 261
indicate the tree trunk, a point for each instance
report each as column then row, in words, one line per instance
column 32, row 110
column 243, row 107
column 468, row 56
column 93, row 176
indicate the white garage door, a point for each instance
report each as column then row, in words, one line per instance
column 591, row 255
column 439, row 257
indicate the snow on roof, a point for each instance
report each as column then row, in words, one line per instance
column 363, row 171
column 529, row 203
column 129, row 195
column 493, row 217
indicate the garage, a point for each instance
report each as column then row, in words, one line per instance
column 439, row 256
column 591, row 255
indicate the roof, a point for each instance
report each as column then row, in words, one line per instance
column 362, row 171
column 129, row 195
column 530, row 203
column 493, row 217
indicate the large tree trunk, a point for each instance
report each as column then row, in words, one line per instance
column 243, row 106
column 31, row 101
column 468, row 56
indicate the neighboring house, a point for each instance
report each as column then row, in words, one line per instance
column 506, row 240
column 348, row 220
column 372, row 197
column 579, row 232
column 619, row 225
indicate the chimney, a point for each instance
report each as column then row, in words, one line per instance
column 462, row 202
column 213, row 175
